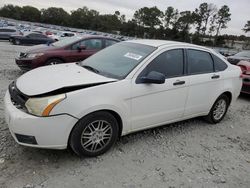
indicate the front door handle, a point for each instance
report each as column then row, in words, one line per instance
column 178, row 82
column 215, row 76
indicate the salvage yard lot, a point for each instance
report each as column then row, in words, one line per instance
column 191, row 153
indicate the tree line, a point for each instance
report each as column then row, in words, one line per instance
column 207, row 20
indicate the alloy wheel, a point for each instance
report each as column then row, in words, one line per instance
column 219, row 109
column 96, row 135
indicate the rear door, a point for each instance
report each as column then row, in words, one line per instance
column 205, row 82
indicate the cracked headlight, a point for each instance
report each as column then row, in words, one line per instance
column 34, row 55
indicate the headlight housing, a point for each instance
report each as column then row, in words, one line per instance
column 34, row 55
column 43, row 106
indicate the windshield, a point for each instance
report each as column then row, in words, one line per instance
column 243, row 54
column 118, row 60
column 66, row 41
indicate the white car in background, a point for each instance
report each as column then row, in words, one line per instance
column 130, row 86
column 61, row 35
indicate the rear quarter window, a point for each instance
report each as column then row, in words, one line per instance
column 219, row 65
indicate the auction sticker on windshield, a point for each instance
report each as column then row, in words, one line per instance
column 133, row 56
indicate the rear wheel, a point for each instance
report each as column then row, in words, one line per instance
column 54, row 61
column 218, row 110
column 94, row 134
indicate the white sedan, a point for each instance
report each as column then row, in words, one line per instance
column 130, row 86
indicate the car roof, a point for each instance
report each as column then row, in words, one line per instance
column 96, row 36
column 159, row 43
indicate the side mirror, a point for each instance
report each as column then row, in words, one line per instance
column 153, row 78
column 80, row 48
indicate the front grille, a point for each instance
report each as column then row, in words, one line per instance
column 25, row 67
column 23, row 55
column 18, row 99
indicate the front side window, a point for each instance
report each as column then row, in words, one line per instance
column 169, row 63
column 199, row 62
column 36, row 36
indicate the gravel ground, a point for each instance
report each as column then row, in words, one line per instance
column 191, row 153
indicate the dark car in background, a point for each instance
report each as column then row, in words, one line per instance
column 6, row 33
column 72, row 49
column 245, row 67
column 235, row 59
column 30, row 39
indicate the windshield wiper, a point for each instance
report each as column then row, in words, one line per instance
column 91, row 68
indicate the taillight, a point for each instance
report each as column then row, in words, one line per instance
column 243, row 70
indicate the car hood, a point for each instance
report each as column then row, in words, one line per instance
column 58, row 78
column 39, row 48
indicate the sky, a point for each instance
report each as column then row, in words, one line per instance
column 238, row 8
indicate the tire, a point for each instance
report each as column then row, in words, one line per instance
column 54, row 61
column 218, row 110
column 90, row 137
column 17, row 42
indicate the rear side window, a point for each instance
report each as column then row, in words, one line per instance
column 91, row 44
column 169, row 63
column 219, row 65
column 199, row 62
column 37, row 36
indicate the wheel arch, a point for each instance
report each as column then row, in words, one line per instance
column 112, row 112
column 55, row 57
column 229, row 95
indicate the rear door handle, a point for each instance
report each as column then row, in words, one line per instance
column 215, row 76
column 178, row 83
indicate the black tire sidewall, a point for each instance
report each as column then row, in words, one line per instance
column 17, row 42
column 212, row 109
column 75, row 137
column 48, row 62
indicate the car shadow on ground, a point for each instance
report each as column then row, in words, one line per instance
column 245, row 96
column 149, row 135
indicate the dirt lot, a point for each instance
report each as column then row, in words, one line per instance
column 192, row 153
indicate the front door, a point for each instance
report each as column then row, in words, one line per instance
column 155, row 104
column 91, row 47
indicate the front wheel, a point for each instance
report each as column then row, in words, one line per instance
column 94, row 134
column 218, row 110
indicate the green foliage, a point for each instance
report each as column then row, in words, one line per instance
column 149, row 17
column 147, row 22
column 29, row 13
column 247, row 27
column 55, row 15
column 223, row 17
column 11, row 11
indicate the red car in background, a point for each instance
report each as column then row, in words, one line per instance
column 71, row 49
column 245, row 67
